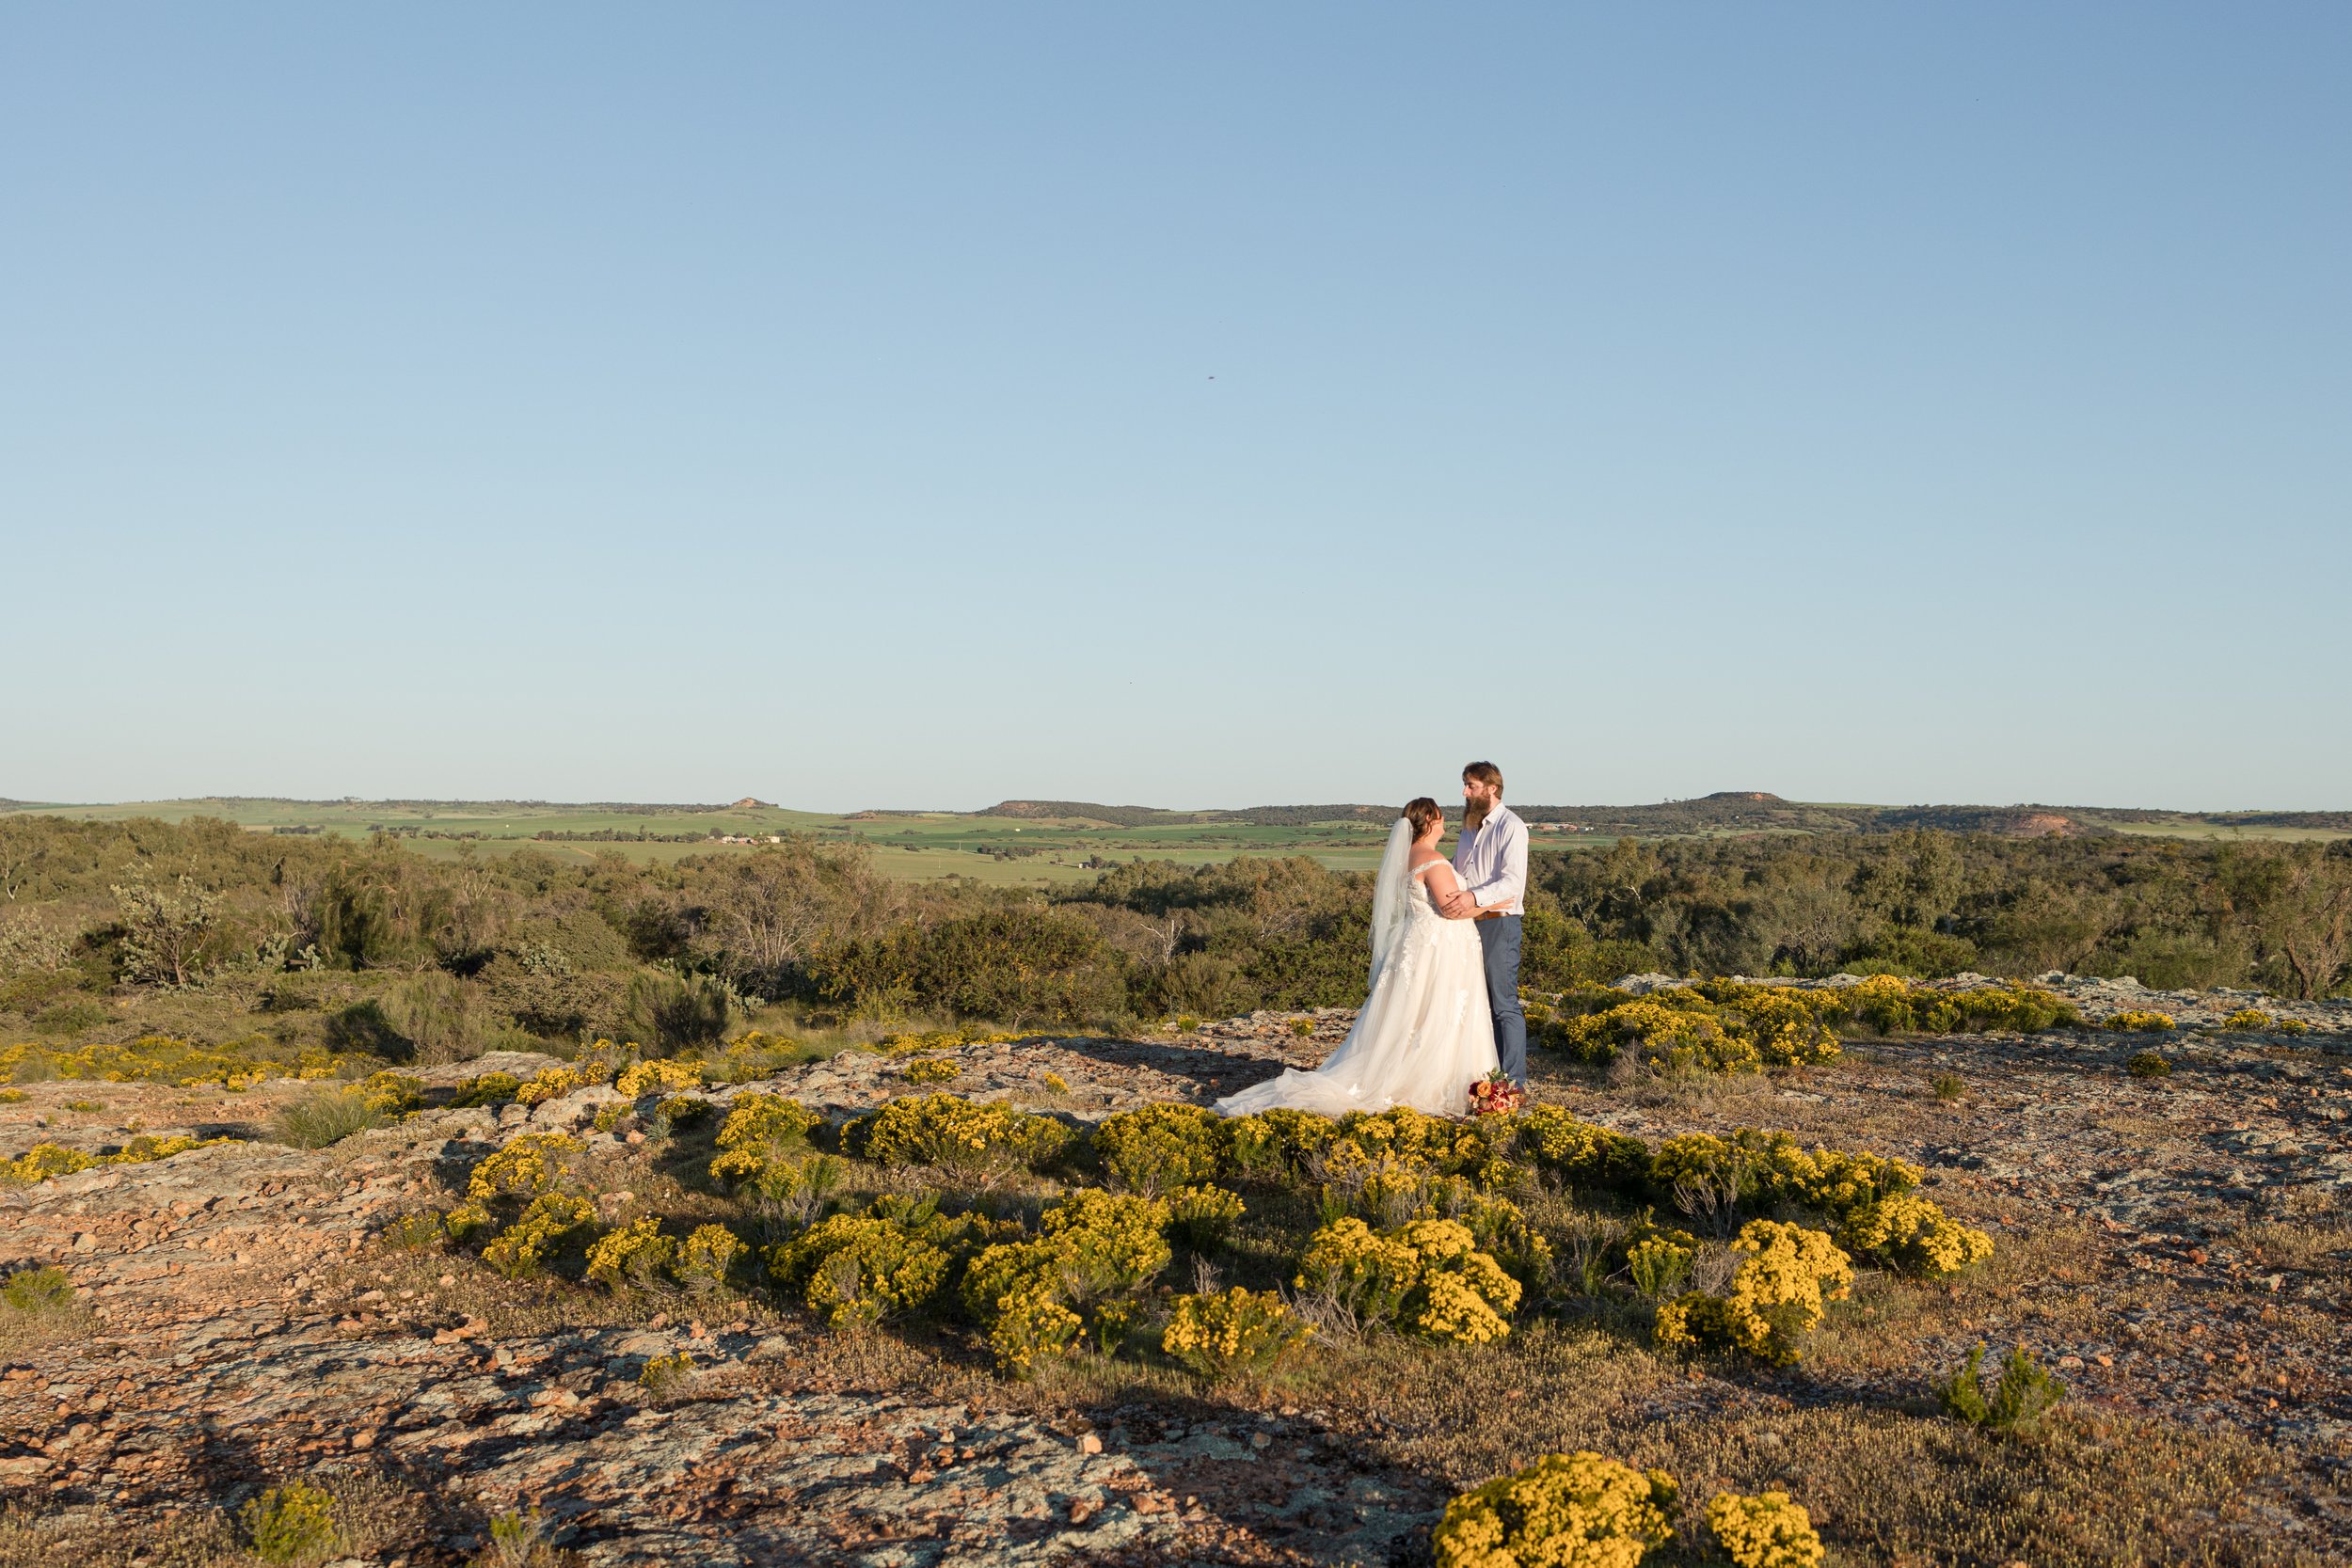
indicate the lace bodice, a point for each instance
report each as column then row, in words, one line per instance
column 1422, row 905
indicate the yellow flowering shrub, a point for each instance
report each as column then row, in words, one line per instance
column 1358, row 1269
column 1426, row 1277
column 1381, row 1185
column 943, row 1130
column 1764, row 1532
column 906, row 1043
column 1659, row 1259
column 553, row 1084
column 1681, row 1037
column 167, row 1059
column 1098, row 1249
column 1788, row 1024
column 1756, row 1165
column 1056, row 1082
column 932, row 1070
column 705, row 1257
column 1416, row 1137
column 1776, row 1296
column 391, row 1093
column 1564, row 1511
column 1578, row 1152
column 1912, row 1235
column 661, row 1374
column 1502, row 1229
column 636, row 1254
column 538, row 1234
column 640, row 1079
column 859, row 1269
column 2252, row 1021
column 491, row 1088
column 1158, row 1148
column 1279, row 1142
column 761, row 1130
column 45, row 1161
column 680, row 1110
column 1113, row 1242
column 1237, row 1332
column 1015, row 1292
column 526, row 1167
column 2139, row 1021
column 1693, row 1160
column 1891, row 1005
column 1203, row 1216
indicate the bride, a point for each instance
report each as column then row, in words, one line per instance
column 1425, row 1034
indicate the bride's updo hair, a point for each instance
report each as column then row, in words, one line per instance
column 1423, row 815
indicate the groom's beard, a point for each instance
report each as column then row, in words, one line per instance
column 1473, row 815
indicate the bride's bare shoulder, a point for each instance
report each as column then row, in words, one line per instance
column 1424, row 859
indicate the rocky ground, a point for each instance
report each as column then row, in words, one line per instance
column 2177, row 1245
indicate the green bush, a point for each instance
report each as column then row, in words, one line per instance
column 36, row 1291
column 491, row 1088
column 293, row 1522
column 2148, row 1064
column 1016, row 962
column 2021, row 1395
column 325, row 1116
column 675, row 1012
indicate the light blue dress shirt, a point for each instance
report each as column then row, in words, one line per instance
column 1491, row 860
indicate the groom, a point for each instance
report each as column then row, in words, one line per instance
column 1491, row 862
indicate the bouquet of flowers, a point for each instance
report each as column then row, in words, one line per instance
column 1495, row 1095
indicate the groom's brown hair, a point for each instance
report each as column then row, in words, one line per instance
column 1486, row 773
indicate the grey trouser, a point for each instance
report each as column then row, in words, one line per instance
column 1501, row 938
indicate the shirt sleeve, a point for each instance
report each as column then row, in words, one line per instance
column 1507, row 882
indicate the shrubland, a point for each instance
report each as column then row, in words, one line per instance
column 201, row 932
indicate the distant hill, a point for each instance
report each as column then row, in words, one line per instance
column 1727, row 810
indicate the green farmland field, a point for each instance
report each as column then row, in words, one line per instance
column 1033, row 846
column 917, row 846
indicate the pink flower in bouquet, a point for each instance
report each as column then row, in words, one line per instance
column 1495, row 1095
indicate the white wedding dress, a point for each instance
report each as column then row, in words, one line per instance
column 1425, row 1034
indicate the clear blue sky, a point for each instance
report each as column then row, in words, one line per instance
column 1189, row 405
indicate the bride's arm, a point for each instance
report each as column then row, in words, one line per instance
column 1443, row 884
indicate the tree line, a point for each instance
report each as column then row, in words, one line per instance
column 383, row 949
